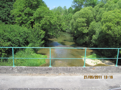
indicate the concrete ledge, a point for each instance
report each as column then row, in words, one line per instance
column 56, row 70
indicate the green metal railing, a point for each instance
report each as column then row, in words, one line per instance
column 61, row 58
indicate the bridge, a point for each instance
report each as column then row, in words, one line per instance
column 60, row 78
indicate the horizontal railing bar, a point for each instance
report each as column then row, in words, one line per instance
column 43, row 47
column 61, row 47
column 48, row 58
column 6, row 58
column 60, row 58
column 103, row 48
column 102, row 58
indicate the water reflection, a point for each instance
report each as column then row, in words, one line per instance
column 54, row 44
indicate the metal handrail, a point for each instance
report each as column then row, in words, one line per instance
column 61, row 58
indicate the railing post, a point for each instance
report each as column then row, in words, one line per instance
column 85, row 57
column 117, row 58
column 50, row 57
column 13, row 56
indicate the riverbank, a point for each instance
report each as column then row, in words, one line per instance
column 96, row 61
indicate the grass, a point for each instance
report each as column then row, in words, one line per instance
column 93, row 56
column 27, row 53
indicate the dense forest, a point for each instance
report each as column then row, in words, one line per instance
column 93, row 23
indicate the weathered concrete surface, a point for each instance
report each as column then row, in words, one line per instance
column 56, row 70
column 63, row 78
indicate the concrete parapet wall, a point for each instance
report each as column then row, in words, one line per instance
column 56, row 70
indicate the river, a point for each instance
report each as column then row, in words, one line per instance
column 66, row 40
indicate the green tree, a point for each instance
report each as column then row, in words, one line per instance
column 23, row 11
column 98, row 11
column 5, row 7
column 108, row 6
column 12, row 36
column 77, row 5
column 104, row 1
column 70, row 10
column 50, row 24
column 92, row 3
column 58, row 10
column 17, row 36
column 110, row 35
column 35, row 14
column 65, row 10
column 111, row 5
column 36, row 37
column 40, row 13
column 80, row 23
column 94, row 30
column 67, row 18
column 64, row 17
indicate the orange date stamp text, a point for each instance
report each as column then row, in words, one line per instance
column 98, row 77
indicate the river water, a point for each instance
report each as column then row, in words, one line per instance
column 65, row 40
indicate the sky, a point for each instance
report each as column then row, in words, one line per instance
column 55, row 3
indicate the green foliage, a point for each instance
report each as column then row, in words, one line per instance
column 70, row 10
column 110, row 36
column 94, row 31
column 80, row 23
column 40, row 13
column 102, row 29
column 5, row 7
column 104, row 1
column 16, row 36
column 102, row 7
column 67, row 19
column 25, row 12
column 27, row 53
column 36, row 37
column 111, row 5
column 3, row 50
column 35, row 14
column 77, row 5
column 51, row 24
column 59, row 10
column 93, row 56
column 12, row 36
column 92, row 3
column 98, row 11
column 64, row 17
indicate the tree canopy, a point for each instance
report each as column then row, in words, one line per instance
column 23, row 11
column 5, row 7
column 98, row 26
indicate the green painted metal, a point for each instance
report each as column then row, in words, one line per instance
column 13, row 56
column 61, row 47
column 61, row 58
column 85, row 57
column 117, row 58
column 50, row 58
column 58, row 58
